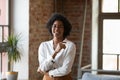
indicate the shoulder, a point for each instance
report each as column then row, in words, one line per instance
column 46, row 43
column 70, row 43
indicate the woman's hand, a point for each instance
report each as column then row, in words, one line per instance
column 60, row 46
column 39, row 71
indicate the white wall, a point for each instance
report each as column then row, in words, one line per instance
column 94, row 34
column 20, row 24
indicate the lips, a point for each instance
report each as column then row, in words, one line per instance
column 57, row 33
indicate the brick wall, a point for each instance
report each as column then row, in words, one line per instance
column 40, row 11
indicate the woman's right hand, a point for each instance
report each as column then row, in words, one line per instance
column 60, row 45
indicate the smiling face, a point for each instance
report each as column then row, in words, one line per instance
column 58, row 29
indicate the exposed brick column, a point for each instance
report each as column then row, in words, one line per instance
column 40, row 11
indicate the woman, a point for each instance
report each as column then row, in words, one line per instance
column 56, row 56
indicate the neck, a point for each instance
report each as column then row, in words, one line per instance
column 57, row 40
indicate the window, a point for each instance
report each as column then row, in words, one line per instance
column 109, row 40
column 110, row 6
column 4, row 32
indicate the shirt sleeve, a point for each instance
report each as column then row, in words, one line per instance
column 44, row 63
column 67, row 64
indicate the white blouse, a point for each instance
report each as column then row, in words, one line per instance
column 62, row 62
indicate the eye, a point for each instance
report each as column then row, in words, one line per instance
column 53, row 26
column 57, row 26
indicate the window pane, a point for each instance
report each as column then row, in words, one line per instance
column 0, row 67
column 119, row 62
column 6, row 32
column 109, row 62
column 3, row 12
column 0, row 34
column 3, row 65
column 111, row 39
column 110, row 6
column 119, row 5
column 111, row 43
column 3, row 33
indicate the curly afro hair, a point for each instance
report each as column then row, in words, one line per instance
column 60, row 17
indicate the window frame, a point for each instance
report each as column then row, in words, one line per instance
column 103, row 16
column 3, row 44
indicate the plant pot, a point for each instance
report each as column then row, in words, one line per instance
column 11, row 75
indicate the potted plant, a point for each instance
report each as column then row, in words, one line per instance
column 14, row 55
